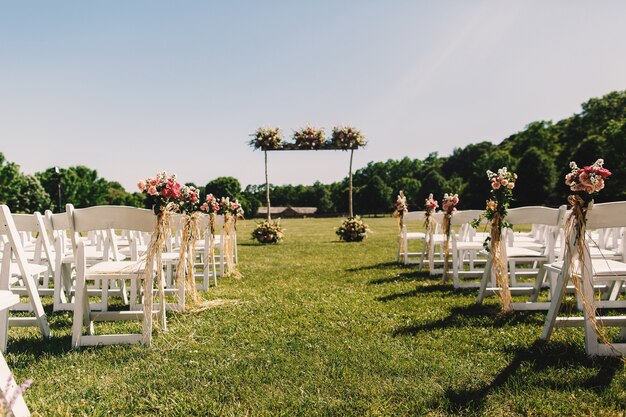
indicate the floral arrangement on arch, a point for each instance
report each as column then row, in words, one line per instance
column 347, row 137
column 309, row 138
column 268, row 232
column 160, row 190
column 353, row 230
column 265, row 138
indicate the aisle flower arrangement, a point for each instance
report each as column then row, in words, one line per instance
column 347, row 137
column 430, row 206
column 268, row 232
column 501, row 195
column 267, row 138
column 584, row 183
column 160, row 190
column 448, row 204
column 353, row 230
column 401, row 208
column 309, row 138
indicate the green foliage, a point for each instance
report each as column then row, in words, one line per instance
column 537, row 175
column 224, row 187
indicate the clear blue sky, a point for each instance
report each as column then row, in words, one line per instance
column 133, row 87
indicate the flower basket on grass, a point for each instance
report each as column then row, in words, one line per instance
column 309, row 138
column 268, row 232
column 353, row 230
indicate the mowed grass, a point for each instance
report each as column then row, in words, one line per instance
column 322, row 328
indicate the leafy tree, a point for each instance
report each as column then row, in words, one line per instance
column 31, row 196
column 224, row 187
column 374, row 197
column 10, row 181
column 537, row 177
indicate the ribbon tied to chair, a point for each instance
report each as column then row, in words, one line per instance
column 499, row 264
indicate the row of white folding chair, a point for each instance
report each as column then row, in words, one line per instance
column 513, row 255
column 608, row 272
column 15, row 269
column 406, row 237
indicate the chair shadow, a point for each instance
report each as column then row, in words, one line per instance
column 382, row 265
column 408, row 276
column 474, row 315
column 542, row 356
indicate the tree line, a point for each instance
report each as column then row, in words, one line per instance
column 539, row 154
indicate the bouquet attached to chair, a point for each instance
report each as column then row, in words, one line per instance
column 448, row 204
column 502, row 184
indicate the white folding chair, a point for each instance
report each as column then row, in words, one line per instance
column 465, row 250
column 108, row 218
column 594, row 271
column 405, row 237
column 516, row 255
column 17, row 272
column 10, row 391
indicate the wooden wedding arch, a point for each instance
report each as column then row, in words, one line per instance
column 325, row 148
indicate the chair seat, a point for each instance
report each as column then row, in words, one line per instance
column 416, row 235
column 125, row 268
column 605, row 268
column 467, row 245
column 33, row 268
column 521, row 252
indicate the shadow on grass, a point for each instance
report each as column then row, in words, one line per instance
column 475, row 315
column 408, row 276
column 542, row 357
column 382, row 265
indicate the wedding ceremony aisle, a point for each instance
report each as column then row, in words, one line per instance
column 316, row 326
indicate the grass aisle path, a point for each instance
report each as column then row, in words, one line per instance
column 326, row 328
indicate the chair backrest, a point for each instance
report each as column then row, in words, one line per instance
column 413, row 216
column 464, row 216
column 605, row 215
column 7, row 227
column 535, row 215
column 108, row 217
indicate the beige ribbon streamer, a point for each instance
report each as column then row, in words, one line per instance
column 155, row 250
column 447, row 223
column 429, row 227
column 229, row 245
column 499, row 264
column 185, row 279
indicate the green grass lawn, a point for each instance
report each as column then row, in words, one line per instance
column 324, row 327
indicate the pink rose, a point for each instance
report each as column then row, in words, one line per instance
column 166, row 192
column 141, row 185
column 603, row 172
column 569, row 178
column 152, row 190
column 510, row 185
column 599, row 184
column 504, row 182
column 585, row 179
column 455, row 200
column 495, row 185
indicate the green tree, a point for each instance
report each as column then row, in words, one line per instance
column 224, row 187
column 536, row 178
column 31, row 196
column 375, row 197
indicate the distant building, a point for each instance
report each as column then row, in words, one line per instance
column 287, row 211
